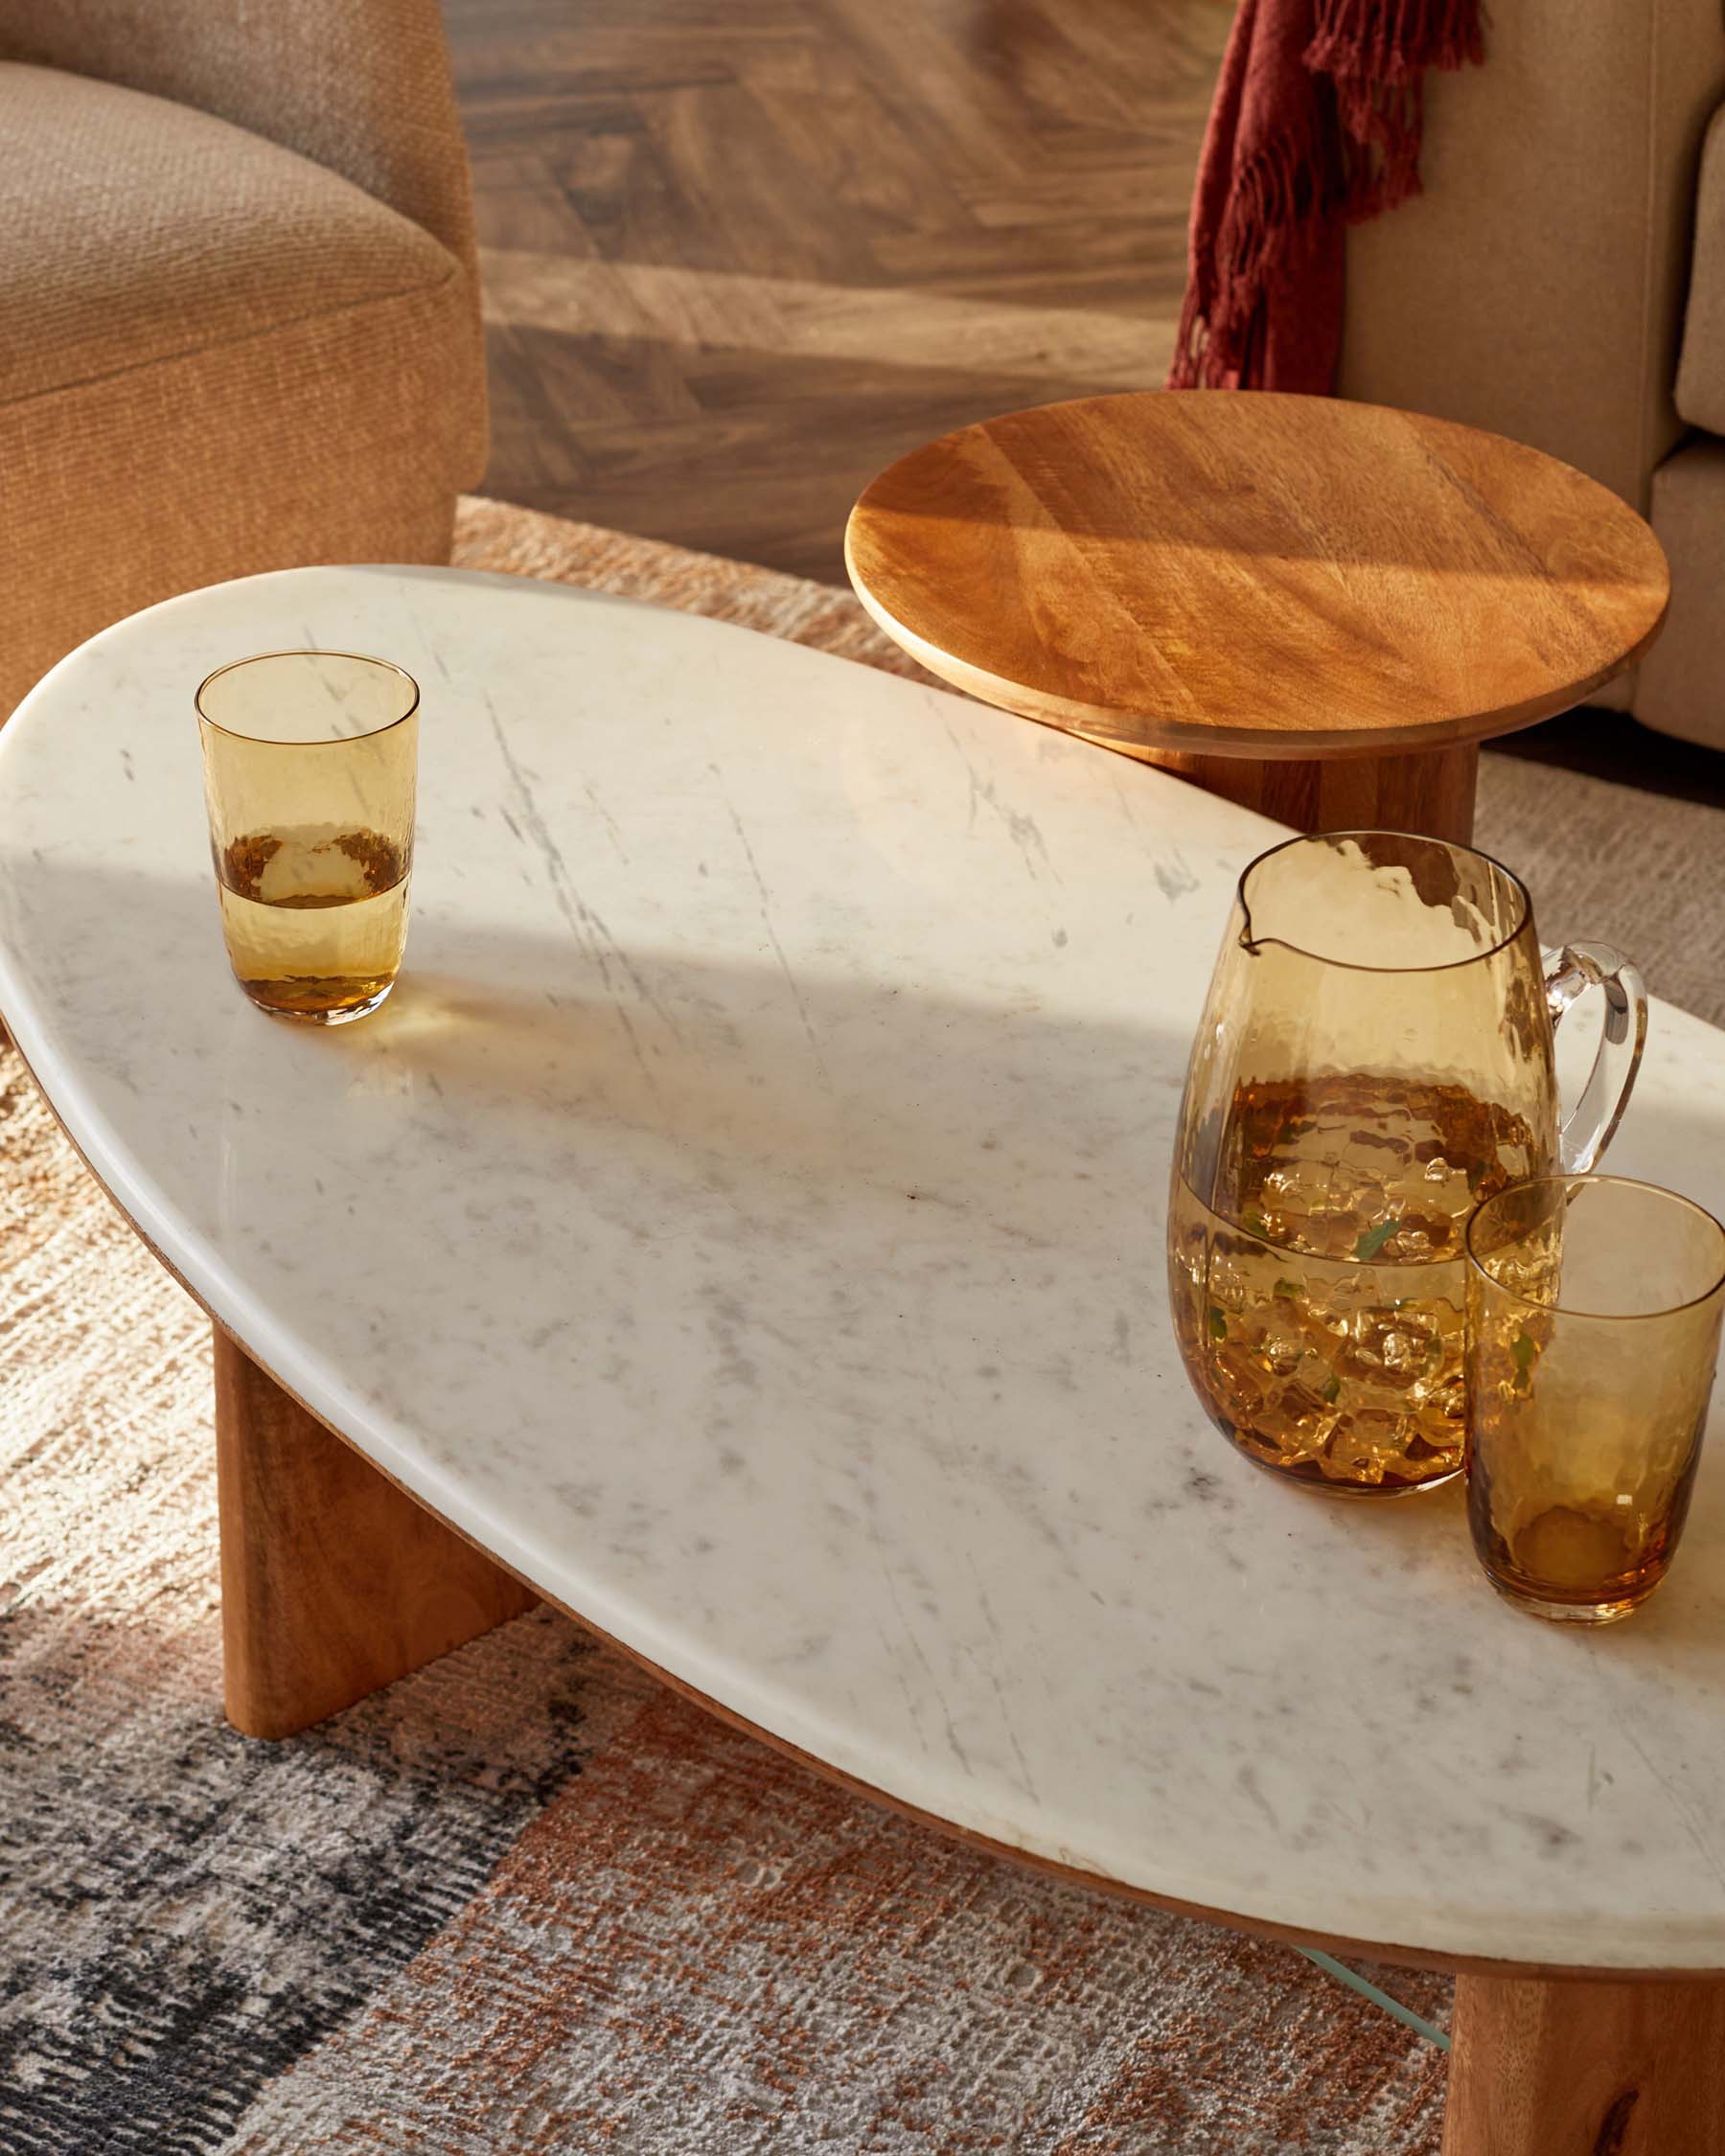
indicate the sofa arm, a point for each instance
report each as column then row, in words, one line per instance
column 1536, row 286
column 361, row 86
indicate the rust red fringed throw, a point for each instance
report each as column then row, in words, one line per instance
column 1316, row 125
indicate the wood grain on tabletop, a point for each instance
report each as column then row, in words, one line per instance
column 1267, row 577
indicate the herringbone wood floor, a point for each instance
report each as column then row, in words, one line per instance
column 739, row 254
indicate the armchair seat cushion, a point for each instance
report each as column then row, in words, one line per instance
column 216, row 357
column 133, row 230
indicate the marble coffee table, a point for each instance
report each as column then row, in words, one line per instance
column 743, row 1228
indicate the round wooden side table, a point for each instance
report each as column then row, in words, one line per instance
column 1316, row 609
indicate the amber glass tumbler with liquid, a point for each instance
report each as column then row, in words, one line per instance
column 1593, row 1332
column 1375, row 1057
column 310, row 761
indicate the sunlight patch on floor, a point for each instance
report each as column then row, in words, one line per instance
column 708, row 310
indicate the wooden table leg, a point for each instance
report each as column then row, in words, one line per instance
column 1431, row 794
column 333, row 1581
column 1586, row 2068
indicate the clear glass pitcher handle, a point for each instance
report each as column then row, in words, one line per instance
column 1569, row 973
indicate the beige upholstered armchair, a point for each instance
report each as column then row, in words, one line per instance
column 1562, row 280
column 238, row 308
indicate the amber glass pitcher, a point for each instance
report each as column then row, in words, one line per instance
column 1374, row 1060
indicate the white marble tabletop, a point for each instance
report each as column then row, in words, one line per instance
column 747, row 1221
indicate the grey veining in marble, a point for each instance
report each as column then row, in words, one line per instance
column 746, row 1220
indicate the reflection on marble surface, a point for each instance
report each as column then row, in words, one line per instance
column 746, row 1219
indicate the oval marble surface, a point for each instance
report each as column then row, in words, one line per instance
column 747, row 1221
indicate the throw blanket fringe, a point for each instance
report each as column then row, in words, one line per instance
column 1317, row 122
column 1280, row 201
column 1377, row 55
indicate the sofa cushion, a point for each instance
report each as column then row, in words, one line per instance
column 1701, row 370
column 1682, row 685
column 134, row 231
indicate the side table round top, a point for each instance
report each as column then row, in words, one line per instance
column 746, row 1220
column 1259, row 575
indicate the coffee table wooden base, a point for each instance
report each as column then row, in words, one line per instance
column 1571, row 2069
column 333, row 1581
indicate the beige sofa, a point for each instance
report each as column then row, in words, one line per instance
column 238, row 306
column 1562, row 280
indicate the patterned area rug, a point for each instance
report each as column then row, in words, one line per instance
column 528, row 1901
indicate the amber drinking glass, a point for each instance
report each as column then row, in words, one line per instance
column 1593, row 1317
column 1375, row 1058
column 310, row 766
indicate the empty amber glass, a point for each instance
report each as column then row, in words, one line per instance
column 310, row 766
column 1375, row 1058
column 1593, row 1315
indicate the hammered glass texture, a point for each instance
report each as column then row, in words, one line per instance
column 1593, row 1307
column 1375, row 1057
